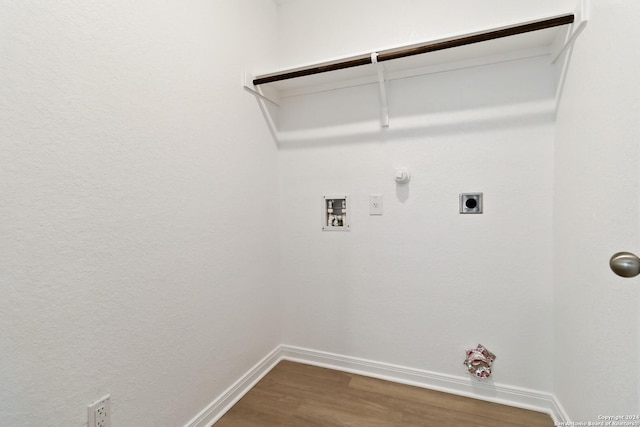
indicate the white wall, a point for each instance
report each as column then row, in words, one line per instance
column 313, row 30
column 138, row 253
column 597, row 213
column 420, row 284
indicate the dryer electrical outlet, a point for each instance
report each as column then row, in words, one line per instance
column 471, row 203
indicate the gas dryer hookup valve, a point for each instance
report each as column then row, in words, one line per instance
column 402, row 176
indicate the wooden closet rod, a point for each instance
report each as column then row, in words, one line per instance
column 425, row 48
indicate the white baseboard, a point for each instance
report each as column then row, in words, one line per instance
column 460, row 385
column 467, row 386
column 558, row 412
column 216, row 409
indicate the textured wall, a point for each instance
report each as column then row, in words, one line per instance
column 419, row 284
column 597, row 213
column 137, row 252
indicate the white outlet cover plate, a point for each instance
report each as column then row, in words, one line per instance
column 375, row 204
column 99, row 412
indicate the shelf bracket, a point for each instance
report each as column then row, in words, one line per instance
column 384, row 106
column 263, row 100
column 581, row 18
column 247, row 84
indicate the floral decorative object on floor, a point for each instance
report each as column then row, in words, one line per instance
column 479, row 361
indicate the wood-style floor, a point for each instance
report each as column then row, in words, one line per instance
column 293, row 394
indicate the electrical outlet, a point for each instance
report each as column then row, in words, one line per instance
column 471, row 203
column 375, row 204
column 99, row 413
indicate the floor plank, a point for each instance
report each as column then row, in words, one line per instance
column 298, row 395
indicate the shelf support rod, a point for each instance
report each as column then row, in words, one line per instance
column 259, row 95
column 384, row 106
column 583, row 17
column 247, row 84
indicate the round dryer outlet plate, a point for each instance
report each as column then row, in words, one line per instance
column 471, row 203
